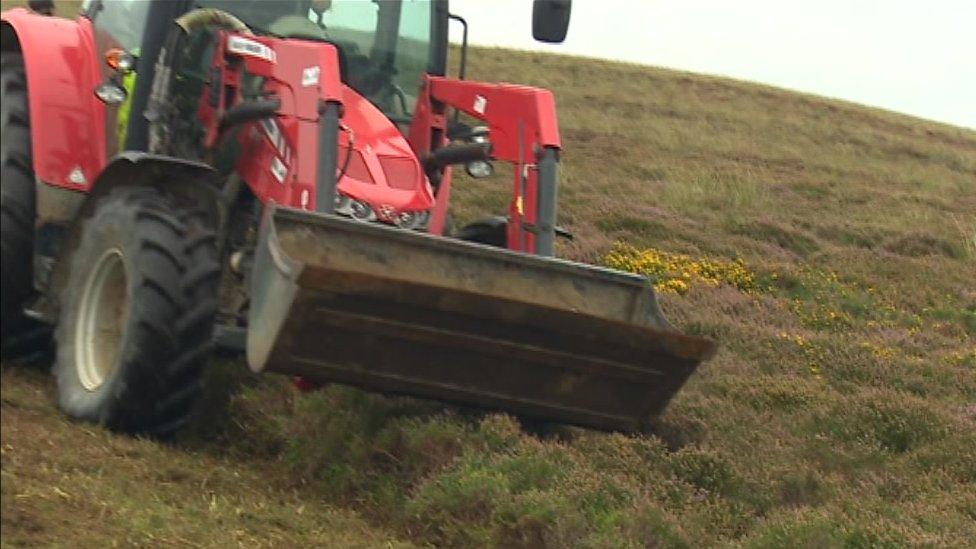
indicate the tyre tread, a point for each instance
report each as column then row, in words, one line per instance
column 17, row 202
column 179, row 330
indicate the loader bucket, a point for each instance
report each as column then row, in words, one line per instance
column 400, row 312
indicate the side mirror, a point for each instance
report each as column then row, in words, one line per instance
column 550, row 20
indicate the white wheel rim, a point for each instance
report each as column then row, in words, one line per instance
column 102, row 314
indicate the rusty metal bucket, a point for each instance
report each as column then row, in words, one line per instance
column 399, row 312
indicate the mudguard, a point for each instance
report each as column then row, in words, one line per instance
column 67, row 120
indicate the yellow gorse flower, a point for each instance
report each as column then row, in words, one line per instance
column 676, row 273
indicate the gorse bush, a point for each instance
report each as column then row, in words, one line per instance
column 676, row 273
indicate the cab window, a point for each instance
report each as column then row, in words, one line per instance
column 123, row 22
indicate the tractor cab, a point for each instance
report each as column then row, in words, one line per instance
column 384, row 48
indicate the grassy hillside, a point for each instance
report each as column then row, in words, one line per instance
column 828, row 247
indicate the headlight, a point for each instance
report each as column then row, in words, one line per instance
column 410, row 220
column 405, row 220
column 479, row 134
column 110, row 93
column 343, row 204
column 479, row 169
column 360, row 211
column 415, row 220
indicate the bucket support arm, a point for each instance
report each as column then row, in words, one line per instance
column 302, row 89
column 523, row 131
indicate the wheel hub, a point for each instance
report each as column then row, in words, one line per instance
column 102, row 315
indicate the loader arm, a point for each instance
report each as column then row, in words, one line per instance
column 301, row 88
column 285, row 99
column 522, row 129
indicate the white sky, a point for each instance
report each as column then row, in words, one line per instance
column 911, row 56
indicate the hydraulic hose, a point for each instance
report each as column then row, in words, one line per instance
column 249, row 110
column 458, row 154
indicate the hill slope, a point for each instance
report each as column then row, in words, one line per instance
column 828, row 247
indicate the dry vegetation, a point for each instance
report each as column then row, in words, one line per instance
column 829, row 248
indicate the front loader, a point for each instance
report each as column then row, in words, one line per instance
column 275, row 177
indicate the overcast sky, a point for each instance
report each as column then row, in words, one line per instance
column 916, row 57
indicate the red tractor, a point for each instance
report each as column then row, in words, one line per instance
column 275, row 177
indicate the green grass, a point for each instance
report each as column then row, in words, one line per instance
column 839, row 411
column 66, row 484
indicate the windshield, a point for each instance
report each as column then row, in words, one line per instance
column 384, row 46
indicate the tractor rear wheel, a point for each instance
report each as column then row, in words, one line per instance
column 137, row 314
column 16, row 197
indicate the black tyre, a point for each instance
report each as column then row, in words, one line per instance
column 16, row 198
column 137, row 314
column 490, row 231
